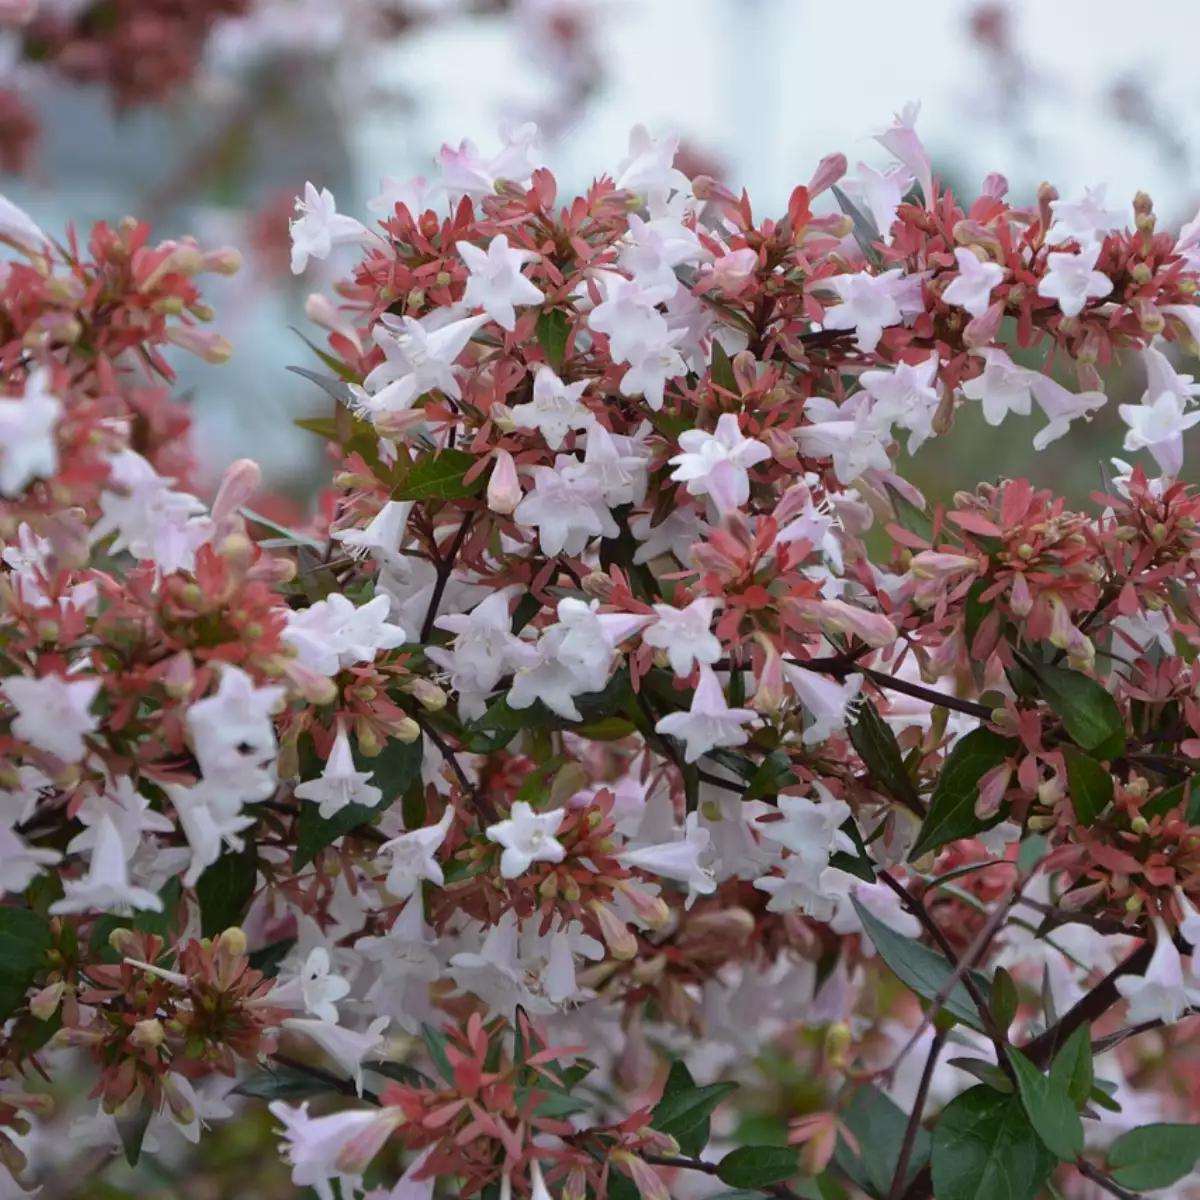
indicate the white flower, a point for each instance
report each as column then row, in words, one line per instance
column 1003, row 387
column 495, row 973
column 320, row 227
column 565, row 507
column 1083, row 220
column 710, row 722
column 678, row 860
column 232, row 732
column 210, row 815
column 655, row 248
column 718, row 464
column 799, row 887
column 906, row 396
column 685, row 634
column 847, row 433
column 554, row 409
column 1162, row 993
column 465, row 172
column 52, row 713
column 21, row 863
column 810, row 827
column 28, row 445
column 347, row 1047
column 881, row 193
column 340, row 783
column 482, row 651
column 1062, row 406
column 319, row 990
column 412, row 193
column 419, row 357
column 972, row 288
column 616, row 465
column 106, row 886
column 589, row 639
column 315, row 1147
column 335, row 633
column 675, row 534
column 869, row 304
column 495, row 282
column 18, row 227
column 628, row 316
column 1159, row 427
column 650, row 368
column 412, row 857
column 382, row 536
column 650, row 171
column 527, row 837
column 1073, row 280
column 153, row 522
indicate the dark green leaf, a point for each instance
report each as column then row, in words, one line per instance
column 314, row 832
column 1033, row 849
column 1102, row 1093
column 553, row 329
column 1004, row 998
column 909, row 516
column 985, row 1072
column 878, row 1126
column 24, row 937
column 685, row 1109
column 722, row 369
column 757, row 1166
column 132, row 1128
column 1072, row 1066
column 1049, row 1108
column 338, row 389
column 339, row 368
column 1154, row 1156
column 394, row 768
column 865, row 233
column 550, row 1103
column 859, row 863
column 1090, row 786
column 281, row 1083
column 1088, row 711
column 1171, row 798
column 876, row 745
column 774, row 773
column 226, row 889
column 440, row 476
column 923, row 970
column 401, row 1073
column 984, row 1148
column 269, row 959
column 952, row 806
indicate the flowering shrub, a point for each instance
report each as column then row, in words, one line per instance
column 591, row 761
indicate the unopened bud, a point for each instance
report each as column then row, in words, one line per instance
column 620, row 940
column 407, row 731
column 321, row 311
column 44, row 1004
column 504, row 488
column 148, row 1034
column 225, row 260
column 430, row 697
column 210, row 347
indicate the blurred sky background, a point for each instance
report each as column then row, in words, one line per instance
column 1079, row 92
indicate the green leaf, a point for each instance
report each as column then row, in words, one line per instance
column 984, row 1148
column 553, row 329
column 722, row 369
column 985, row 1072
column 685, row 1109
column 1162, row 804
column 551, row 1103
column 859, row 863
column 269, row 959
column 1154, row 1156
column 281, row 1083
column 772, row 774
column 878, row 1125
column 337, row 389
column 1071, row 1069
column 400, row 1072
column 394, row 768
column 226, row 889
column 922, row 969
column 315, row 832
column 1033, row 849
column 952, row 806
column 439, row 476
column 1090, row 786
column 1049, row 1108
column 1004, row 998
column 24, row 937
column 909, row 516
column 435, row 1043
column 1087, row 709
column 132, row 1128
column 758, row 1166
column 876, row 745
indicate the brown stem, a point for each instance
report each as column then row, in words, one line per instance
column 481, row 802
column 1094, row 1005
column 914, row 1118
column 445, row 568
column 780, row 1190
column 1098, row 1177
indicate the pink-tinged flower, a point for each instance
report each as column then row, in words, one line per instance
column 976, row 280
column 232, row 732
column 382, row 536
column 649, row 171
column 710, row 723
column 555, row 408
column 718, row 464
column 419, row 357
column 1003, row 387
column 28, row 445
column 106, row 887
column 412, row 857
column 827, row 703
column 210, row 815
column 685, row 634
column 1072, row 279
column 628, row 316
column 466, row 172
column 881, row 193
column 340, row 783
column 313, row 989
column 678, row 860
column 565, row 507
column 335, row 633
column 413, row 194
column 504, row 488
column 527, row 837
column 18, row 228
column 53, row 713
column 1062, row 406
column 650, row 367
column 902, row 142
column 1159, row 427
column 314, row 1145
column 655, row 248
column 870, row 303
column 495, row 283
column 320, row 227
column 1084, row 220
column 907, row 396
column 848, row 434
column 348, row 1048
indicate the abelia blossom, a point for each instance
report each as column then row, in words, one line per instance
column 53, row 713
column 718, row 464
column 340, row 783
column 28, row 444
column 555, row 409
column 495, row 283
column 527, row 837
column 1073, row 280
column 320, row 227
column 710, row 722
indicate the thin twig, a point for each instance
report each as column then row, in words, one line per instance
column 445, row 568
column 480, row 801
column 1098, row 1177
column 780, row 1190
column 914, row 1118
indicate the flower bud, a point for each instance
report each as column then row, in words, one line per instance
column 148, row 1034
column 620, row 940
column 225, row 260
column 210, row 347
column 44, row 1004
column 321, row 311
column 504, row 488
column 829, row 170
column 407, row 731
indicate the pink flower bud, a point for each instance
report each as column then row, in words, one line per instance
column 225, row 260
column 504, row 488
column 17, row 12
column 321, row 311
column 210, row 347
column 240, row 481
column 768, row 697
column 829, row 170
column 44, row 1004
column 982, row 331
column 649, row 1183
column 995, row 186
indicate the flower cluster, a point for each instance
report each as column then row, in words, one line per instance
column 588, row 717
